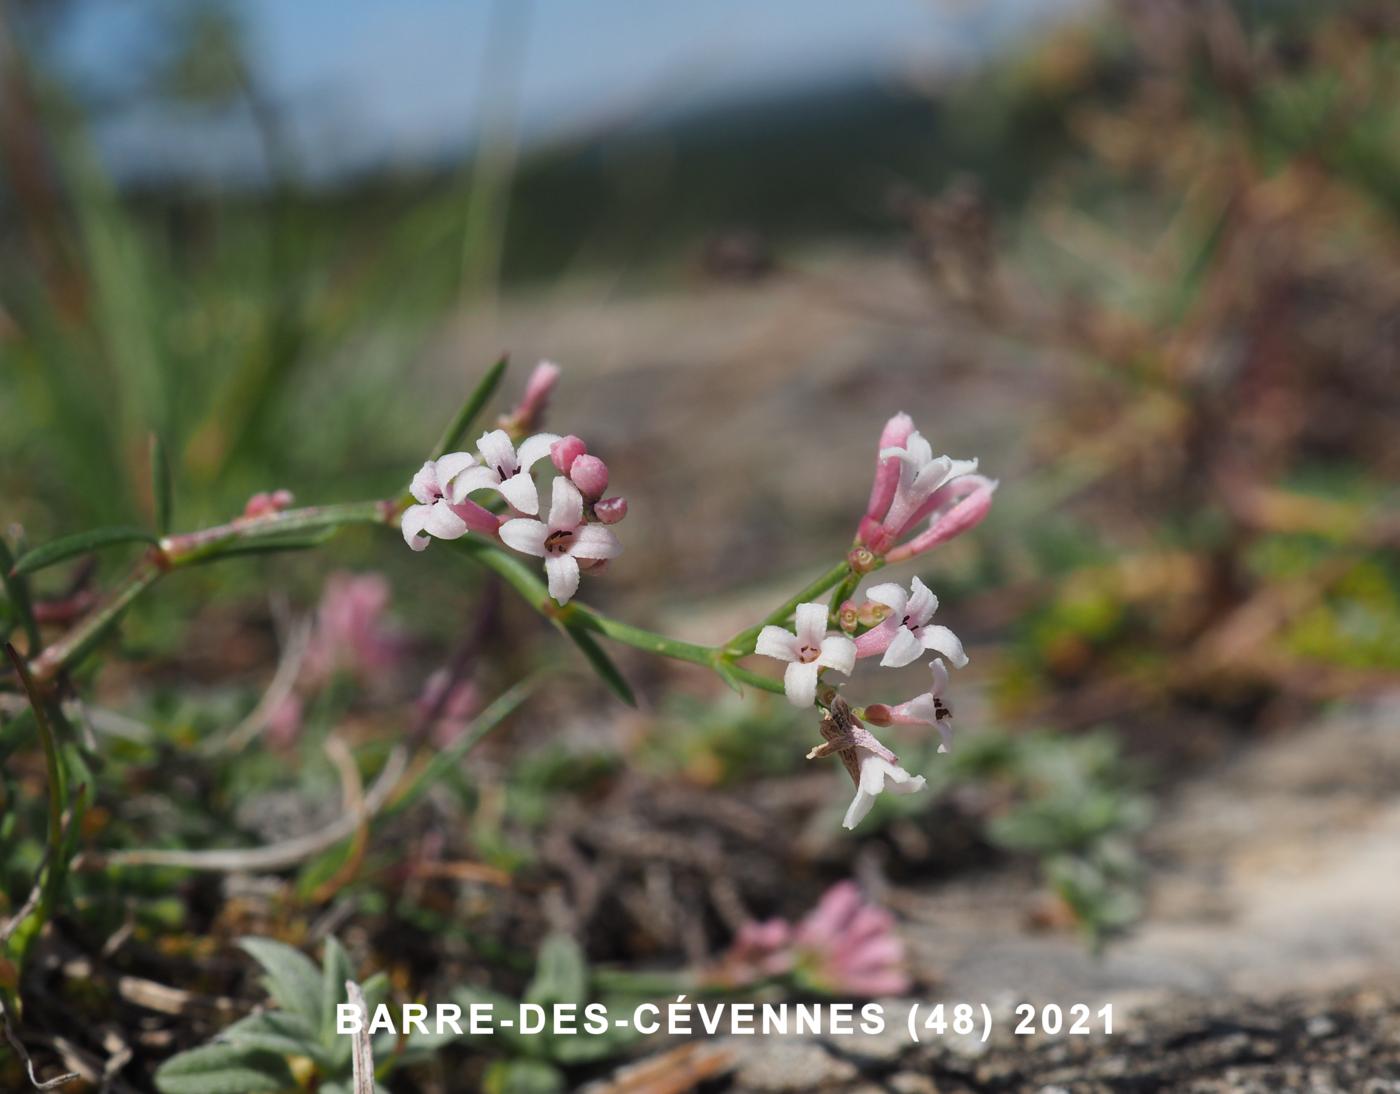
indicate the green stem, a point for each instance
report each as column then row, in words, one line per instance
column 188, row 548
column 742, row 643
column 56, row 863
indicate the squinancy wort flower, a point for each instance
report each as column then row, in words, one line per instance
column 912, row 485
column 573, row 536
column 807, row 652
column 843, row 946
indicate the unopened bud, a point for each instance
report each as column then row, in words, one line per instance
column 610, row 510
column 564, row 451
column 878, row 714
column 264, row 504
column 590, row 475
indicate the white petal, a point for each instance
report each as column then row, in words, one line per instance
column 776, row 642
column 944, row 641
column 533, row 449
column 919, row 449
column 860, row 806
column 525, row 535
column 810, row 624
column 497, row 452
column 595, row 541
column 940, row 676
column 922, row 604
column 904, row 649
column 839, row 653
column 931, row 476
column 471, row 479
column 413, row 521
column 519, row 490
column 562, row 571
column 424, row 486
column 891, row 596
column 958, row 468
column 800, row 683
column 945, row 730
column 450, row 466
column 565, row 506
column 920, row 709
column 443, row 522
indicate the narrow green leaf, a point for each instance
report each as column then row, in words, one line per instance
column 476, row 401
column 80, row 544
column 292, row 980
column 224, row 1069
column 335, row 970
column 602, row 664
column 561, row 973
column 270, row 546
column 162, row 492
column 17, row 593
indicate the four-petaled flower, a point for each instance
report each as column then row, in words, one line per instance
column 872, row 766
column 562, row 540
column 503, row 468
column 928, row 709
column 807, row 652
column 436, row 514
column 908, row 630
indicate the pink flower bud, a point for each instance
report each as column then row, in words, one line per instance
column 538, row 389
column 610, row 510
column 972, row 500
column 263, row 504
column 878, row 714
column 894, row 435
column 590, row 475
column 564, row 451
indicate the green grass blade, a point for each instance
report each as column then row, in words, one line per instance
column 60, row 550
column 476, row 401
column 162, row 493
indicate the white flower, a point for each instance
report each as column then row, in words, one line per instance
column 807, row 652
column 878, row 774
column 561, row 540
column 904, row 635
column 930, row 708
column 434, row 515
column 921, row 475
column 504, row 469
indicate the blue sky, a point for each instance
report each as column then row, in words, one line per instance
column 363, row 81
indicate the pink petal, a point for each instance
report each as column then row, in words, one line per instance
column 878, row 638
column 525, row 535
column 412, row 523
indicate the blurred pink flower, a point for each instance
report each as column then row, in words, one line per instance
column 265, row 504
column 503, row 468
column 928, row 709
column 284, row 720
column 459, row 706
column 908, row 630
column 351, row 632
column 529, row 412
column 845, row 946
column 562, row 540
column 842, row 947
column 807, row 652
column 436, row 514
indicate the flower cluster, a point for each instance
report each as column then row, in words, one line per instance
column 891, row 622
column 572, row 536
column 843, row 946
